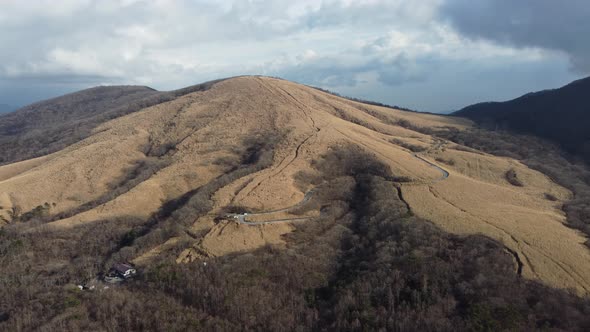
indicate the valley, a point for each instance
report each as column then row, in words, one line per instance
column 244, row 166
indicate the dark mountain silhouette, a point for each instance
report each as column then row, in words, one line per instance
column 560, row 115
column 4, row 108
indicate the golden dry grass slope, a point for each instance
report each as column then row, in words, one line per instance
column 209, row 125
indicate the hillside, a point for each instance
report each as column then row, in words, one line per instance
column 259, row 204
column 560, row 115
column 51, row 125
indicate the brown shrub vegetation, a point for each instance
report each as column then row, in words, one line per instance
column 366, row 263
column 512, row 178
column 450, row 162
column 411, row 147
column 537, row 154
column 49, row 126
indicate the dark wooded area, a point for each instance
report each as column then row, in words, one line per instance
column 366, row 264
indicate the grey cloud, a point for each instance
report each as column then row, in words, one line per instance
column 549, row 24
column 333, row 72
column 403, row 69
column 65, row 78
column 89, row 34
column 371, row 13
column 324, row 72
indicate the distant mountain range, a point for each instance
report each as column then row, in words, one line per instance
column 560, row 115
column 4, row 108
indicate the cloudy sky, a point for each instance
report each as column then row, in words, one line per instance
column 429, row 55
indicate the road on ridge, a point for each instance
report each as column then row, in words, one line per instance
column 444, row 172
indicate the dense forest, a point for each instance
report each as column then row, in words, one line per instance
column 560, row 115
column 366, row 264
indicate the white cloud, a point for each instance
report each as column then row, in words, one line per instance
column 173, row 43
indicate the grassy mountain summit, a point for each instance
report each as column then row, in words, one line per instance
column 560, row 115
column 255, row 203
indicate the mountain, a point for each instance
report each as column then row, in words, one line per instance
column 255, row 203
column 560, row 115
column 4, row 108
column 51, row 125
